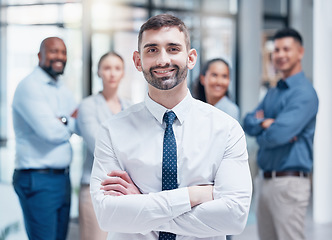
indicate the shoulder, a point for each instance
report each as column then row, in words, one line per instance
column 29, row 86
column 89, row 105
column 125, row 103
column 131, row 114
column 92, row 99
column 304, row 90
column 210, row 113
column 214, row 120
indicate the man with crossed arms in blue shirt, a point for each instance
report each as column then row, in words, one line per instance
column 284, row 126
column 212, row 192
column 44, row 113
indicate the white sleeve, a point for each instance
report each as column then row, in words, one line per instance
column 227, row 214
column 140, row 213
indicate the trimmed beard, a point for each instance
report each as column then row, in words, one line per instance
column 166, row 83
column 54, row 74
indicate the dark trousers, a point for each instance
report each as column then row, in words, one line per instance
column 45, row 201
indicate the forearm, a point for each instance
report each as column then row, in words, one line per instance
column 252, row 125
column 227, row 213
column 140, row 213
column 216, row 218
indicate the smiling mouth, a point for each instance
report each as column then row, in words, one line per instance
column 58, row 64
column 163, row 71
column 165, row 74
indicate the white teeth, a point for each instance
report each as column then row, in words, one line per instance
column 58, row 64
column 165, row 71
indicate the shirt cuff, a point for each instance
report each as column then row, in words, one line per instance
column 179, row 201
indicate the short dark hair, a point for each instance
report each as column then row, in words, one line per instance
column 289, row 32
column 164, row 20
column 198, row 89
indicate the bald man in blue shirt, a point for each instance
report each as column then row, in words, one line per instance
column 44, row 113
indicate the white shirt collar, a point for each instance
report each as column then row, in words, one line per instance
column 180, row 110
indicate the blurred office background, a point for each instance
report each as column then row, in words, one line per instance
column 238, row 30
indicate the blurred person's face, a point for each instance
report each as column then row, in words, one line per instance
column 53, row 57
column 216, row 81
column 287, row 56
column 164, row 58
column 111, row 71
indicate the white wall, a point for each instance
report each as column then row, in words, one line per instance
column 250, row 38
column 250, row 65
column 301, row 19
column 322, row 76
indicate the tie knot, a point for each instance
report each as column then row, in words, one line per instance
column 169, row 117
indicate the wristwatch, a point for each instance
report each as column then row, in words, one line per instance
column 64, row 120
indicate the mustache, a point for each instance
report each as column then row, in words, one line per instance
column 166, row 66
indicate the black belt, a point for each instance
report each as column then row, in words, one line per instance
column 285, row 174
column 46, row 170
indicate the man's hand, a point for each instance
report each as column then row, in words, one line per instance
column 74, row 114
column 267, row 123
column 200, row 194
column 119, row 183
column 260, row 114
column 294, row 139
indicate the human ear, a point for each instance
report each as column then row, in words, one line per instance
column 202, row 79
column 137, row 61
column 192, row 58
column 301, row 52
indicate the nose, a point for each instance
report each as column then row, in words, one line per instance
column 163, row 58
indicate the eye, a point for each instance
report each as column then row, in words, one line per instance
column 214, row 75
column 152, row 50
column 225, row 76
column 173, row 49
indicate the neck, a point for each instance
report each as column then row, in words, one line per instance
column 291, row 72
column 169, row 98
column 110, row 94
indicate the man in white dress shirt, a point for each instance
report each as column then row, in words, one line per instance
column 213, row 193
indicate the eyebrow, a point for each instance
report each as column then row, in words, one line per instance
column 154, row 45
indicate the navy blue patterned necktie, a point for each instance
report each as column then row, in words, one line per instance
column 169, row 171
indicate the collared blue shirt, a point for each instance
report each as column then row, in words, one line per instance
column 42, row 140
column 294, row 106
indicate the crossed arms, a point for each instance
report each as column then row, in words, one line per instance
column 214, row 209
column 287, row 126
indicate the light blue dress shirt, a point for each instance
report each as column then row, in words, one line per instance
column 91, row 113
column 42, row 140
column 226, row 105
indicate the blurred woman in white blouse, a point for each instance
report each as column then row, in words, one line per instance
column 94, row 110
